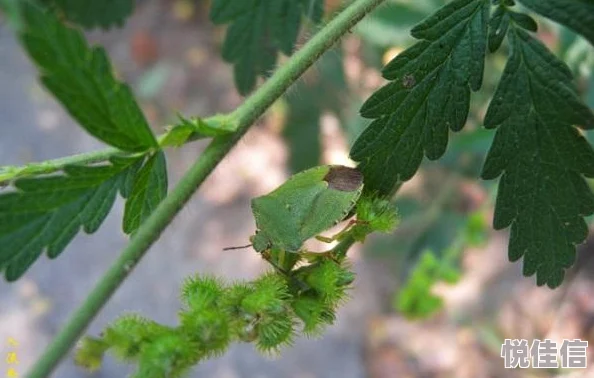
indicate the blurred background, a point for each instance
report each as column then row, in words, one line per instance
column 435, row 299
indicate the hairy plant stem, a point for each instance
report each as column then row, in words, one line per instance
column 248, row 113
column 11, row 172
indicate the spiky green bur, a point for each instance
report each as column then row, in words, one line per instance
column 90, row 353
column 128, row 334
column 265, row 311
column 314, row 313
column 328, row 279
column 374, row 214
column 202, row 292
column 170, row 356
column 267, row 304
column 328, row 283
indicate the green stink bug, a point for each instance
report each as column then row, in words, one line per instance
column 309, row 203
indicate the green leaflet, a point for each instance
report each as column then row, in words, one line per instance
column 91, row 14
column 81, row 78
column 429, row 95
column 576, row 14
column 148, row 189
column 46, row 213
column 542, row 159
column 197, row 128
column 258, row 30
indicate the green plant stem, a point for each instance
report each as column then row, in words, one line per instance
column 49, row 166
column 9, row 173
column 341, row 249
column 252, row 109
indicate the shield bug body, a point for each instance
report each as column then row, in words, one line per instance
column 309, row 203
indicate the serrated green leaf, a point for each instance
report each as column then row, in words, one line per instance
column 524, row 21
column 148, row 190
column 428, row 96
column 91, row 14
column 575, row 14
column 47, row 212
column 542, row 159
column 498, row 25
column 258, row 30
column 81, row 78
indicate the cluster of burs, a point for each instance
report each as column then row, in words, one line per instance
column 266, row 311
column 269, row 311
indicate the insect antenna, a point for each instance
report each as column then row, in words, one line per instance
column 242, row 247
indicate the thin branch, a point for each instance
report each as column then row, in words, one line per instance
column 252, row 109
column 9, row 173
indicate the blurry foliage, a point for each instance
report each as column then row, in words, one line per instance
column 416, row 299
column 430, row 222
column 437, row 226
column 323, row 89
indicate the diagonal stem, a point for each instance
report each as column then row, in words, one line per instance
column 248, row 113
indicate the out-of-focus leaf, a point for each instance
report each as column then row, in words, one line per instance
column 390, row 25
column 152, row 81
column 415, row 300
column 307, row 102
column 467, row 152
column 94, row 13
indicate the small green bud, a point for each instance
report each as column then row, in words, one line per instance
column 202, row 292
column 327, row 278
column 268, row 296
column 208, row 328
column 168, row 356
column 128, row 334
column 90, row 353
column 273, row 331
column 314, row 312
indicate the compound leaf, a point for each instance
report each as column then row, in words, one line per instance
column 81, row 78
column 429, row 94
column 258, row 30
column 47, row 212
column 575, row 14
column 542, row 159
column 148, row 189
column 91, row 14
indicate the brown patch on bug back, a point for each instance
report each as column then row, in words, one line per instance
column 343, row 178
